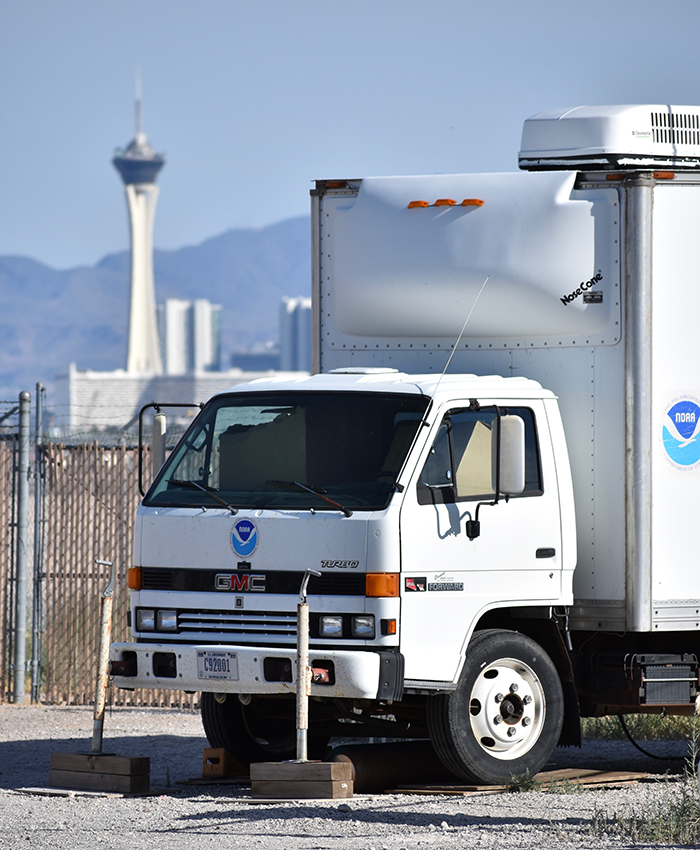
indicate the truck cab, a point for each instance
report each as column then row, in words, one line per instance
column 410, row 496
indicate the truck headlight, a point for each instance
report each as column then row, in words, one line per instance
column 145, row 619
column 363, row 626
column 166, row 620
column 330, row 626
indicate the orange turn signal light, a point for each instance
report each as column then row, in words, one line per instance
column 382, row 584
column 447, row 202
column 664, row 175
column 133, row 578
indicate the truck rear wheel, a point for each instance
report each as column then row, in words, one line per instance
column 505, row 717
column 263, row 730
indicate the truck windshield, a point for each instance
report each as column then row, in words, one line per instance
column 253, row 449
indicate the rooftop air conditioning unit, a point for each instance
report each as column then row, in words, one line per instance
column 612, row 137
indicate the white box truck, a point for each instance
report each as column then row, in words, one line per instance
column 503, row 547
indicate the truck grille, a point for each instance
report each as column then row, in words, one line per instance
column 227, row 623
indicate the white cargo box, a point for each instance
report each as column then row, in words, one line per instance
column 594, row 291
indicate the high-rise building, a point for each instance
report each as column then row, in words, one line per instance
column 206, row 336
column 190, row 336
column 295, row 335
column 138, row 164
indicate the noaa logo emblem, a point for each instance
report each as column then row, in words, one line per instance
column 680, row 432
column 244, row 538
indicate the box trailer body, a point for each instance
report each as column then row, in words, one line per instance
column 494, row 467
column 592, row 291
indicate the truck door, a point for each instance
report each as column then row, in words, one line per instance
column 448, row 580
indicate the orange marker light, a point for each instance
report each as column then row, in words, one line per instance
column 445, row 202
column 664, row 175
column 472, row 202
column 614, row 176
column 382, row 584
column 387, row 627
column 414, row 204
column 133, row 578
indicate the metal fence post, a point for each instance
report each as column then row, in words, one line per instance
column 25, row 402
column 37, row 590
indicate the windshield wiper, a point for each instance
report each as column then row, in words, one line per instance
column 314, row 490
column 210, row 491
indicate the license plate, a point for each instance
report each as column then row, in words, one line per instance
column 213, row 664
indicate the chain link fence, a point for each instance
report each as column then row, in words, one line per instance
column 8, row 461
column 83, row 510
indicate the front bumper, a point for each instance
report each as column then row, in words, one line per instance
column 243, row 669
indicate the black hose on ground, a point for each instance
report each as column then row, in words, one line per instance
column 621, row 718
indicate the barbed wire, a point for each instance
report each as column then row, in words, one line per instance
column 75, row 404
column 106, row 436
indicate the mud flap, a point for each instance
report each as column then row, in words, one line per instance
column 391, row 671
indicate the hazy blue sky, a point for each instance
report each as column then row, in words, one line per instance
column 251, row 101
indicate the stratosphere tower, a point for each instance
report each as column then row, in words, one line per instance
column 138, row 164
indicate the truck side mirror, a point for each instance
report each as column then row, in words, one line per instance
column 510, row 479
column 507, row 466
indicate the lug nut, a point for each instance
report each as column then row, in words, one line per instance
column 498, row 719
column 499, row 697
column 526, row 721
column 527, row 700
column 511, row 732
column 513, row 688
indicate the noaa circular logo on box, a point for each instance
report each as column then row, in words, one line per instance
column 244, row 537
column 680, row 430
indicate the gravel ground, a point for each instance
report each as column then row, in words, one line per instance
column 224, row 816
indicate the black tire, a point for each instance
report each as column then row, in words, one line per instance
column 467, row 734
column 263, row 730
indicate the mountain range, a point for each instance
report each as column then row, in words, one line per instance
column 51, row 318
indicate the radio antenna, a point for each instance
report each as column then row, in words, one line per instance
column 461, row 333
column 424, row 420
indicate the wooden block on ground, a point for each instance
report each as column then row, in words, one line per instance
column 218, row 762
column 301, row 790
column 92, row 763
column 305, row 780
column 90, row 772
column 118, row 783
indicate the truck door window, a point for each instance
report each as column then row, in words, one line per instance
column 437, row 471
column 458, row 467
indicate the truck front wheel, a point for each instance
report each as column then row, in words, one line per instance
column 505, row 717
column 262, row 730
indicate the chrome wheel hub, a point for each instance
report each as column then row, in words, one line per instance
column 507, row 708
